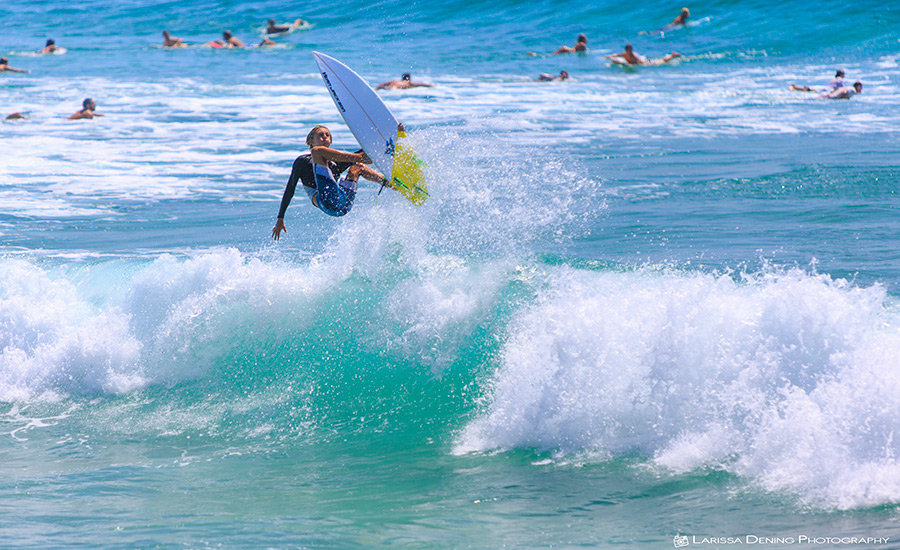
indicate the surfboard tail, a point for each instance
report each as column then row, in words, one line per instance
column 407, row 173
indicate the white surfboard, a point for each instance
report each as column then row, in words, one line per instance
column 375, row 127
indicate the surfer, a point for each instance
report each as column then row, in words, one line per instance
column 580, row 46
column 402, row 84
column 632, row 58
column 231, row 41
column 87, row 110
column 319, row 170
column 844, row 92
column 49, row 47
column 836, row 82
column 15, row 116
column 544, row 77
column 172, row 42
column 4, row 66
column 280, row 29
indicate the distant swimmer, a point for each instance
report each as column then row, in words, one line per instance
column 402, row 84
column 580, row 46
column 280, row 29
column 844, row 92
column 676, row 23
column 318, row 171
column 88, row 108
column 15, row 116
column 544, row 77
column 836, row 82
column 172, row 42
column 231, row 41
column 4, row 66
column 49, row 47
column 629, row 57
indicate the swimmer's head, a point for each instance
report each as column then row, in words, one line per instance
column 839, row 73
column 564, row 75
column 166, row 34
column 582, row 38
column 405, row 76
column 3, row 61
column 50, row 42
column 271, row 22
column 685, row 12
column 88, row 103
column 628, row 47
column 857, row 86
column 319, row 135
column 226, row 35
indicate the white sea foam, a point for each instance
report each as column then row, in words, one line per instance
column 786, row 377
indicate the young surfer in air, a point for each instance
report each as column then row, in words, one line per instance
column 319, row 171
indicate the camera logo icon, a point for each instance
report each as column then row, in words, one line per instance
column 681, row 541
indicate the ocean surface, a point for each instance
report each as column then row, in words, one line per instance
column 640, row 305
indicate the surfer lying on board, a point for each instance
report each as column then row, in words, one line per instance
column 50, row 47
column 844, row 92
column 632, row 58
column 4, row 66
column 170, row 41
column 231, row 41
column 836, row 82
column 319, row 170
column 676, row 23
column 280, row 29
column 544, row 77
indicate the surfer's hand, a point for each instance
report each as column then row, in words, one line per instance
column 279, row 227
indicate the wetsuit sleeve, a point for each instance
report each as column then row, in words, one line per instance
column 290, row 188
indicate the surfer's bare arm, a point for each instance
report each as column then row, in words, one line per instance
column 322, row 154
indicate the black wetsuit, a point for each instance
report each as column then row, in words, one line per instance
column 303, row 171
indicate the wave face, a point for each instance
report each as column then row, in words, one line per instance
column 757, row 374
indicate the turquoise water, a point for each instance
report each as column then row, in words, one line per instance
column 638, row 305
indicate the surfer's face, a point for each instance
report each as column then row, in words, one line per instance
column 321, row 138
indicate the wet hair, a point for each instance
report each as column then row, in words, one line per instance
column 226, row 35
column 87, row 101
column 405, row 76
column 857, row 83
column 271, row 21
column 582, row 38
column 50, row 42
column 628, row 47
column 685, row 11
column 4, row 61
column 309, row 136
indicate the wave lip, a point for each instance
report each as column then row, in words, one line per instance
column 785, row 377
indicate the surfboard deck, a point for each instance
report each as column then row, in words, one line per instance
column 375, row 128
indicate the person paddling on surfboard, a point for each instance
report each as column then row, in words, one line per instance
column 319, row 170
